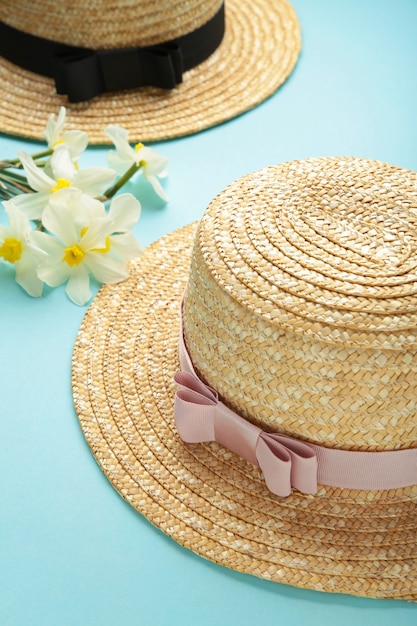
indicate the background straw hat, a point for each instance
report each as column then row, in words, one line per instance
column 301, row 295
column 258, row 52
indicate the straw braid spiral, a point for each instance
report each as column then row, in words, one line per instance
column 301, row 307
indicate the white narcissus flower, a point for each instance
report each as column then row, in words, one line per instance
column 153, row 165
column 124, row 210
column 92, row 181
column 75, row 140
column 99, row 245
column 18, row 248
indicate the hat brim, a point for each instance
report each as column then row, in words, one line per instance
column 259, row 50
column 202, row 495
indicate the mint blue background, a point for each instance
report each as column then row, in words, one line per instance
column 72, row 552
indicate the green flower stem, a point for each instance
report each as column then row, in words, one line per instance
column 41, row 154
column 16, row 162
column 109, row 193
column 4, row 192
column 4, row 164
column 13, row 184
column 13, row 176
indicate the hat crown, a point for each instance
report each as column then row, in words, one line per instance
column 369, row 238
column 301, row 307
column 100, row 24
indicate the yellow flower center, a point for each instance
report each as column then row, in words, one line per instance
column 138, row 147
column 60, row 184
column 73, row 255
column 11, row 249
column 57, row 143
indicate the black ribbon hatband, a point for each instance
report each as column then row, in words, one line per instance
column 83, row 73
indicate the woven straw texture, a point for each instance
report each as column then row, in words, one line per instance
column 306, row 274
column 260, row 49
column 202, row 495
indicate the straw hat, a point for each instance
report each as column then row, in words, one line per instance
column 223, row 76
column 300, row 311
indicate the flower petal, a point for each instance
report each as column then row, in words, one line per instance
column 54, row 275
column 78, row 286
column 48, row 244
column 124, row 212
column 53, row 271
column 54, row 127
column 37, row 179
column 125, row 246
column 119, row 136
column 119, row 164
column 59, row 220
column 105, row 268
column 157, row 187
column 18, row 222
column 94, row 180
column 76, row 141
column 31, row 204
column 62, row 164
column 27, row 277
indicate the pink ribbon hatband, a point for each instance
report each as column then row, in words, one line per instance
column 286, row 462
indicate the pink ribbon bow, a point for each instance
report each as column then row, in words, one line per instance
column 284, row 461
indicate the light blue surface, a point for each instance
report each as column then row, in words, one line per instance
column 72, row 552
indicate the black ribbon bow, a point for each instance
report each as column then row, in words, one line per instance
column 84, row 75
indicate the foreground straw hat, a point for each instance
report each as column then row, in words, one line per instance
column 300, row 311
column 223, row 75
